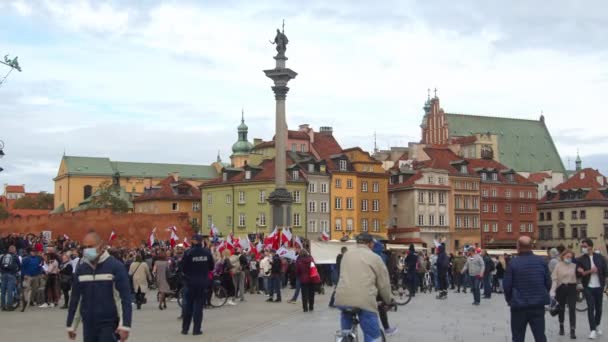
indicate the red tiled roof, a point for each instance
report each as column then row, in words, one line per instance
column 594, row 194
column 299, row 135
column 266, row 173
column 538, row 177
column 408, row 182
column 15, row 188
column 493, row 164
column 165, row 192
column 583, row 179
column 264, row 144
column 440, row 158
column 326, row 145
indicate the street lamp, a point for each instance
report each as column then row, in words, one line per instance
column 1, row 152
column 13, row 64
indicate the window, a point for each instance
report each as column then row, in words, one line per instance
column 209, row 221
column 575, row 232
column 248, row 174
column 296, row 220
column 174, row 206
column 342, row 165
column 312, row 226
column 376, row 226
column 457, row 202
column 475, row 221
column 494, row 193
column 209, row 199
column 494, row 208
column 324, row 226
column 458, row 221
column 338, row 183
column 561, row 215
column 509, row 227
column 467, row 222
column 295, row 174
column 605, row 215
column 495, row 227
column 484, row 208
column 338, row 202
column 338, row 224
column 364, row 205
column 484, row 193
column 508, row 208
column 241, row 197
column 486, row 227
column 349, row 203
column 548, row 217
column 375, row 187
column 364, row 186
column 225, row 176
column 376, row 205
column 349, row 183
column 323, row 188
column 303, row 148
column 562, row 231
column 312, row 206
column 364, row 225
column 294, row 148
column 441, row 180
column 522, row 208
column 196, row 206
column 87, row 191
column 484, row 176
column 349, row 225
column 530, row 228
column 508, row 193
column 228, row 199
column 229, row 221
column 312, row 187
column 262, row 219
column 466, row 202
column 421, row 197
column 475, row 203
column 430, row 180
column 296, row 196
column 494, row 176
column 583, row 215
column 463, row 169
column 262, row 196
column 574, row 215
column 431, row 197
column 311, row 168
column 541, row 217
column 241, row 220
column 522, row 227
column 442, row 220
column 431, row 220
column 324, row 208
column 421, row 220
column 442, row 198
column 521, row 194
column 530, row 194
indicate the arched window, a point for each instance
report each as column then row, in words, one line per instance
column 88, row 190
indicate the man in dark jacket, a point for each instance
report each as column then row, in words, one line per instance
column 412, row 264
column 96, row 281
column 489, row 267
column 527, row 284
column 443, row 263
column 9, row 266
column 591, row 268
column 275, row 277
column 196, row 264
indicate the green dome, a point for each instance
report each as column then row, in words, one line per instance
column 242, row 147
column 242, row 127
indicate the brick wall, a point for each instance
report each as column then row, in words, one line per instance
column 131, row 229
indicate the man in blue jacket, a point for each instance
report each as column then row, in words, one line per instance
column 100, row 289
column 196, row 265
column 527, row 283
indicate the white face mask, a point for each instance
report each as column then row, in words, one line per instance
column 584, row 250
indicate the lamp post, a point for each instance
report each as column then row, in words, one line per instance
column 1, row 152
column 11, row 63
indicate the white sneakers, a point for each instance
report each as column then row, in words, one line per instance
column 599, row 331
column 593, row 335
column 44, row 306
column 231, row 302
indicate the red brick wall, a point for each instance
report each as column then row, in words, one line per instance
column 131, row 229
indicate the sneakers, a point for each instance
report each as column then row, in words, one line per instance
column 593, row 335
column 291, row 301
column 231, row 302
column 390, row 331
column 44, row 306
column 599, row 332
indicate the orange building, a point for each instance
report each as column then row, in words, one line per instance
column 359, row 194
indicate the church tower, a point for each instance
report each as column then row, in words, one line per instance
column 434, row 125
column 241, row 149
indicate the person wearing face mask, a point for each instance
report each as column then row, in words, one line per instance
column 563, row 289
column 592, row 270
column 96, row 280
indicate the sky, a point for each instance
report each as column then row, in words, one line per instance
column 166, row 81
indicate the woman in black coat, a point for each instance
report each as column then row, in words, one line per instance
column 65, row 279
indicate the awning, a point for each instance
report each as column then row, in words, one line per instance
column 394, row 246
column 539, row 252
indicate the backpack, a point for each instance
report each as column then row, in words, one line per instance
column 8, row 263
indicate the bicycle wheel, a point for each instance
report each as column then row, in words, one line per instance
column 581, row 303
column 402, row 296
column 219, row 297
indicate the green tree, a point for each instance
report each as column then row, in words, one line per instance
column 3, row 212
column 43, row 200
column 108, row 196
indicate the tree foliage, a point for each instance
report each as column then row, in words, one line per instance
column 3, row 212
column 42, row 200
column 108, row 196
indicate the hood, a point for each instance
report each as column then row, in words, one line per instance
column 378, row 248
column 441, row 249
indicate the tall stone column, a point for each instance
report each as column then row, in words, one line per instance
column 280, row 198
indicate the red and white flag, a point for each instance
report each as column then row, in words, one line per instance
column 297, row 242
column 185, row 243
column 152, row 238
column 259, row 247
column 66, row 237
column 324, row 236
column 272, row 238
column 174, row 238
column 214, row 231
column 245, row 243
column 112, row 236
column 286, row 236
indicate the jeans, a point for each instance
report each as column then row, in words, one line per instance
column 487, row 285
column 275, row 285
column 593, row 297
column 566, row 294
column 475, row 288
column 368, row 322
column 266, row 284
column 239, row 285
column 9, row 281
column 297, row 292
column 535, row 317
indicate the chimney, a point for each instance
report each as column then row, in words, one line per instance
column 304, row 127
column 175, row 176
column 257, row 141
column 327, row 130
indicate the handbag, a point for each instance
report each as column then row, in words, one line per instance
column 554, row 308
column 313, row 274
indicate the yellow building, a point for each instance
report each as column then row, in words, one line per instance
column 79, row 177
column 359, row 195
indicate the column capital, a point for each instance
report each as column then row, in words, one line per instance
column 280, row 92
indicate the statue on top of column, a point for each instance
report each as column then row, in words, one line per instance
column 281, row 41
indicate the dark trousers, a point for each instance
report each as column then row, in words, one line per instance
column 443, row 281
column 487, row 285
column 193, row 309
column 535, row 317
column 475, row 288
column 412, row 278
column 566, row 294
column 458, row 280
column 594, row 306
column 308, row 296
column 103, row 333
column 275, row 285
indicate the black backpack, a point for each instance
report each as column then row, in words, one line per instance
column 8, row 263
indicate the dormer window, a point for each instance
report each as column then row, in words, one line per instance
column 225, row 176
column 495, row 176
column 484, row 176
column 511, row 177
column 342, row 165
column 248, row 174
column 295, row 175
column 463, row 169
column 311, row 168
column 322, row 168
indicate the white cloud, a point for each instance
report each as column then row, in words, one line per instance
column 22, row 8
column 97, row 16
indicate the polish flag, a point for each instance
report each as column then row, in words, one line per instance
column 174, row 238
column 259, row 247
column 298, row 242
column 286, row 237
column 112, row 236
column 152, row 239
column 270, row 239
column 214, row 231
column 324, row 236
column 185, row 243
column 245, row 243
column 66, row 237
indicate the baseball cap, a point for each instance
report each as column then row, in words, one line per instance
column 197, row 237
column 364, row 238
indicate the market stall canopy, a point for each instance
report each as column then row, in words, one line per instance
column 325, row 252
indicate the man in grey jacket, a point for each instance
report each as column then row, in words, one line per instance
column 475, row 268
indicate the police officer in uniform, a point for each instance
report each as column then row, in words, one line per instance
column 197, row 263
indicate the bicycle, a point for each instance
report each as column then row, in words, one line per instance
column 427, row 283
column 401, row 292
column 177, row 294
column 352, row 335
column 219, row 295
